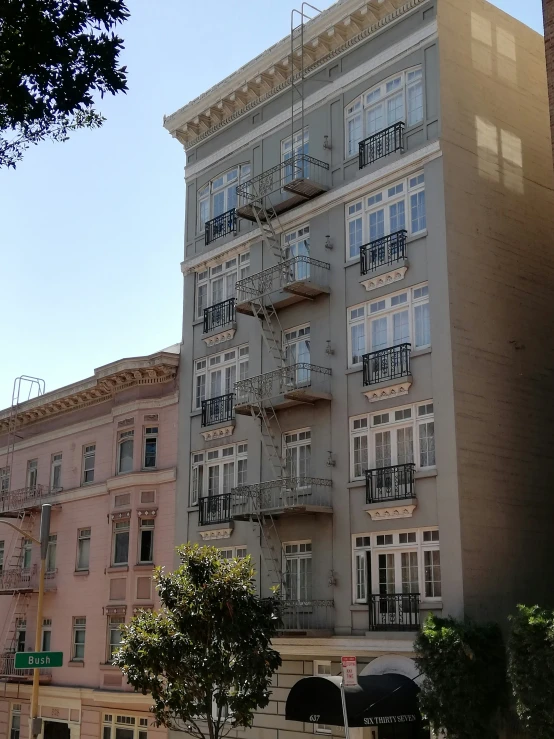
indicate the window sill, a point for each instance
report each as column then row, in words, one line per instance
column 431, row 472
column 192, row 508
column 117, row 568
column 142, row 566
column 359, row 607
column 109, row 667
column 352, row 370
column 197, row 321
column 417, row 236
column 75, row 663
column 196, row 413
column 420, row 352
column 81, row 573
column 430, row 605
column 355, row 484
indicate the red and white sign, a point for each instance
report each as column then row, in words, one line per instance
column 349, row 671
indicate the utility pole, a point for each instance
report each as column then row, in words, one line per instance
column 42, row 541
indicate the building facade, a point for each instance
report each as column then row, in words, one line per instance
column 548, row 17
column 103, row 453
column 367, row 298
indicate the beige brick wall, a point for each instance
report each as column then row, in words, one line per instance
column 548, row 14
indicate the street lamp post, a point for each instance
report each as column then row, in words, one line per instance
column 42, row 541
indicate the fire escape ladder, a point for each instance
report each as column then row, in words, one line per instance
column 269, row 321
column 264, row 215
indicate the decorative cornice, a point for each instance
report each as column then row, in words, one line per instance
column 394, row 275
column 401, row 510
column 216, row 534
column 104, row 385
column 115, row 610
column 390, row 391
column 218, row 433
column 121, row 516
column 132, row 479
column 327, row 36
column 147, row 513
column 221, row 337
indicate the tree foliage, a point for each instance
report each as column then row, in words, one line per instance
column 206, row 656
column 54, row 56
column 465, row 676
column 531, row 669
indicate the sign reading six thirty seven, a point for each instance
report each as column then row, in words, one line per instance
column 30, row 660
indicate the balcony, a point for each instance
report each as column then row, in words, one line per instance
column 283, row 388
column 220, row 226
column 394, row 612
column 25, row 580
column 296, row 279
column 214, row 509
column 385, row 484
column 303, row 616
column 381, row 144
column 290, row 495
column 9, row 673
column 283, row 187
column 387, row 372
column 219, row 315
column 382, row 252
column 29, row 497
column 218, row 410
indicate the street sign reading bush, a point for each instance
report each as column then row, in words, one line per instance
column 30, row 660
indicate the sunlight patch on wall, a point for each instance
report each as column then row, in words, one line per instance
column 500, row 155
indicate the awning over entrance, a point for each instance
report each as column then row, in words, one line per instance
column 377, row 700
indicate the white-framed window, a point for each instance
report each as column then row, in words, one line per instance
column 322, row 667
column 218, row 471
column 89, row 458
column 15, row 721
column 4, row 479
column 146, row 541
column 296, row 345
column 394, row 319
column 397, row 562
column 21, row 634
column 294, row 146
column 396, row 207
column 297, row 244
column 150, row 448
column 114, row 635
column 297, row 448
column 78, row 639
column 220, row 194
column 120, row 544
column 56, row 471
column 125, row 444
column 26, row 554
column 46, row 634
column 298, row 570
column 398, row 98
column 216, row 375
column 397, row 436
column 51, row 553
column 32, row 471
column 124, row 727
column 83, row 549
column 2, row 547
column 238, row 552
column 218, row 283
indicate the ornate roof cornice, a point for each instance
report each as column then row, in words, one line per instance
column 105, row 384
column 328, row 35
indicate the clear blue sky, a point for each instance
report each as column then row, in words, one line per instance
column 91, row 230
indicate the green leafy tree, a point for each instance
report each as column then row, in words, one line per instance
column 54, row 56
column 531, row 669
column 464, row 686
column 206, row 656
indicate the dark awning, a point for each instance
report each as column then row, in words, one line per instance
column 376, row 700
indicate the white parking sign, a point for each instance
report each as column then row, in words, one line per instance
column 349, row 671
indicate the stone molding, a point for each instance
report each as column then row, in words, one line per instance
column 216, row 534
column 401, row 510
column 391, row 391
column 385, row 279
column 220, row 338
column 218, row 433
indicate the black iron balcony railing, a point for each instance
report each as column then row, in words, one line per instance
column 219, row 315
column 387, row 364
column 306, row 615
column 390, row 483
column 394, row 612
column 214, row 509
column 218, row 410
column 386, row 250
column 220, row 226
column 381, row 144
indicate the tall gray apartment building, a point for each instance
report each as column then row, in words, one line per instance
column 366, row 381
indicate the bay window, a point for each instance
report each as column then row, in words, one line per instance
column 397, row 207
column 395, row 437
column 218, row 283
column 220, row 194
column 397, row 562
column 216, row 375
column 395, row 319
column 399, row 98
column 218, row 471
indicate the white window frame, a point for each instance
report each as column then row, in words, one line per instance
column 2, row 550
column 79, row 624
column 4, row 479
column 32, row 473
column 146, row 524
column 203, row 460
column 297, row 350
column 234, row 552
column 322, row 667
column 83, row 534
column 15, row 713
column 225, row 183
column 150, row 433
column 223, row 362
column 124, row 437
column 292, row 442
column 123, row 526
column 300, row 146
column 56, row 471
column 368, row 542
column 363, row 218
column 46, row 629
column 360, row 319
column 369, row 424
column 228, row 272
column 304, row 551
column 51, row 553
column 113, row 721
column 398, row 85
column 111, row 645
column 89, row 453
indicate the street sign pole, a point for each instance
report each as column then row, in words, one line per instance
column 344, row 714
column 349, row 678
column 36, row 723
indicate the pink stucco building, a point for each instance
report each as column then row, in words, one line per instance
column 103, row 452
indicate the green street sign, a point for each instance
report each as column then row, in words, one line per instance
column 30, row 660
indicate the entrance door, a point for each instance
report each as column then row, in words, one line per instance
column 55, row 730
